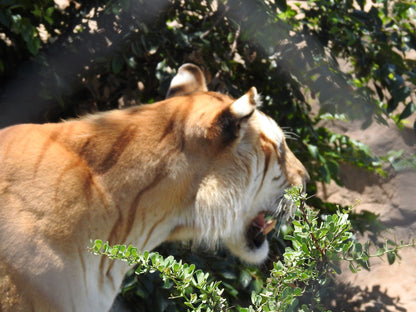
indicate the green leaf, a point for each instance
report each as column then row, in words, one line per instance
column 168, row 284
column 409, row 110
column 326, row 174
column 336, row 268
column 358, row 249
column 96, row 245
column 200, row 276
column 16, row 21
column 298, row 291
column 245, row 278
column 279, row 266
column 117, row 64
column 333, row 168
column 48, row 19
column 131, row 62
column 391, row 257
column 305, row 249
column 353, row 269
column 37, row 12
column 141, row 293
column 313, row 151
column 49, row 11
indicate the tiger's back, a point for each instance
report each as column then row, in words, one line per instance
column 199, row 165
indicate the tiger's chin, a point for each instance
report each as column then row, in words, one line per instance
column 253, row 246
column 248, row 253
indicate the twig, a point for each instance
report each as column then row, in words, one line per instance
column 234, row 45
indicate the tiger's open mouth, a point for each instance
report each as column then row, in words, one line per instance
column 258, row 230
column 252, row 246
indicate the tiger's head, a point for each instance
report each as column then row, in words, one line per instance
column 245, row 167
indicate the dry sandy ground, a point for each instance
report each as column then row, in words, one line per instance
column 386, row 287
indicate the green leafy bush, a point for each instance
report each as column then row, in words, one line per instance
column 297, row 282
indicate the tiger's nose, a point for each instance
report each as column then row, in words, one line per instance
column 296, row 171
column 299, row 176
column 306, row 178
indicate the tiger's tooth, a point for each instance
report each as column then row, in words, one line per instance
column 270, row 225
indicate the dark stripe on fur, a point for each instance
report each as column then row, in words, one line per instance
column 169, row 127
column 46, row 145
column 118, row 147
column 149, row 234
column 264, row 141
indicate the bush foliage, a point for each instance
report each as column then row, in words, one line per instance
column 63, row 61
column 297, row 282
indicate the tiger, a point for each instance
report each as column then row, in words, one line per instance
column 197, row 166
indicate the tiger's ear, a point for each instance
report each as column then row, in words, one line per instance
column 244, row 107
column 188, row 79
column 233, row 120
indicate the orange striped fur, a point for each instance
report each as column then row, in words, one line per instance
column 199, row 165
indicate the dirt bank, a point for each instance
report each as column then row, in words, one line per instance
column 386, row 287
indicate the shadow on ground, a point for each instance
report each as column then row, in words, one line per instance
column 351, row 298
